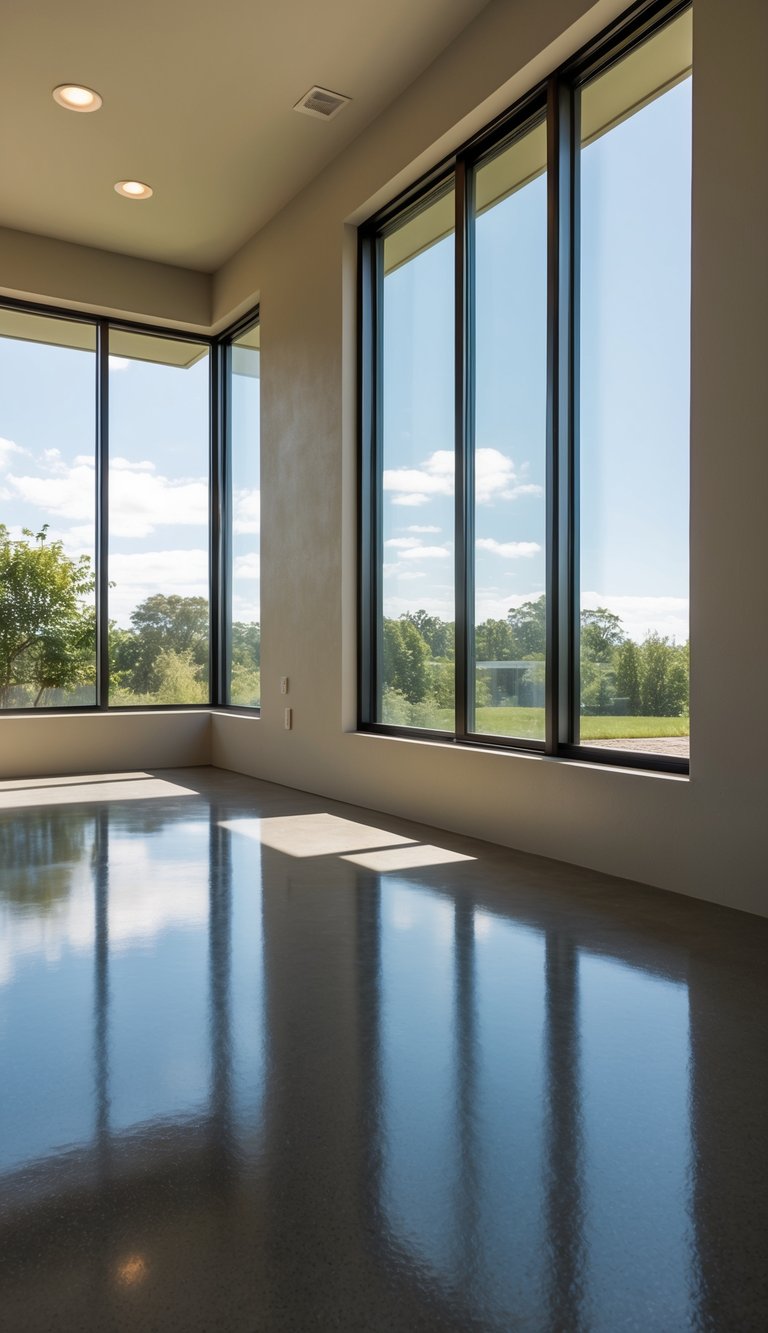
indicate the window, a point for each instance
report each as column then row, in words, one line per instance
column 47, row 512
column 524, row 406
column 634, row 396
column 417, row 550
column 242, row 581
column 159, row 442
column 129, row 518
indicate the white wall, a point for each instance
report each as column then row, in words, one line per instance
column 701, row 836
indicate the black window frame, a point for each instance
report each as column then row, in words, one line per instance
column 554, row 100
column 218, row 591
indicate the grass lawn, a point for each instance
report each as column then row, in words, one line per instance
column 529, row 723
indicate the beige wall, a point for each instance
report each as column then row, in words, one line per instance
column 32, row 747
column 102, row 283
column 701, row 836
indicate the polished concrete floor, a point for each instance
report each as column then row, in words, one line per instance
column 273, row 1063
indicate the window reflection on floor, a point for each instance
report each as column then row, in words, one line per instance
column 46, row 943
column 636, row 1145
column 509, row 1246
column 246, row 993
column 462, row 1062
column 158, row 975
column 418, row 1067
column 153, row 933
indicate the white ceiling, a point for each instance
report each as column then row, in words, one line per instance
column 198, row 103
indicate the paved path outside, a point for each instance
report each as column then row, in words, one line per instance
column 679, row 747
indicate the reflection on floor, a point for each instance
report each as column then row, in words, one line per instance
column 274, row 1063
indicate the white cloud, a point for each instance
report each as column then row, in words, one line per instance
column 427, row 553
column 509, row 550
column 118, row 363
column 247, row 511
column 140, row 574
column 415, row 485
column 125, row 465
column 422, row 527
column 414, row 549
column 7, row 448
column 409, row 575
column 410, row 501
column 247, row 567
column 141, row 499
column 639, row 614
column 495, row 478
column 434, row 605
column 245, row 609
column 495, row 604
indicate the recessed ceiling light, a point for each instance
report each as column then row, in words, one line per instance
column 134, row 189
column 74, row 97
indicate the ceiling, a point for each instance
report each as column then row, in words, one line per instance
column 198, row 103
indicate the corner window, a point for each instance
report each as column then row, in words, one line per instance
column 525, row 389
column 129, row 514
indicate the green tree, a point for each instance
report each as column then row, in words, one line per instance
column 438, row 634
column 406, row 658
column 528, row 624
column 47, row 626
column 159, row 625
column 601, row 634
column 628, row 675
column 494, row 641
column 245, row 644
column 664, row 678
column 245, row 686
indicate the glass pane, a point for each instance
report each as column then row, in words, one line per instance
column 158, row 520
column 635, row 390
column 49, row 860
column 47, row 512
column 510, row 439
column 417, row 634
column 244, row 506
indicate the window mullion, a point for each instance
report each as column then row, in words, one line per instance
column 464, row 462
column 102, row 514
column 219, row 572
column 562, row 473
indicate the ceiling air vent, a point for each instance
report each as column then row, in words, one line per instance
column 321, row 102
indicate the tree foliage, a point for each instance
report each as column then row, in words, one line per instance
column 47, row 622
column 618, row 676
column 160, row 625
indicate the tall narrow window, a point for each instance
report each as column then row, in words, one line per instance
column 634, row 394
column 243, row 617
column 416, row 557
column 510, row 436
column 47, row 511
column 525, row 411
column 158, row 520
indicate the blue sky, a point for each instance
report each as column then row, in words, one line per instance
column 158, row 472
column 635, row 381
